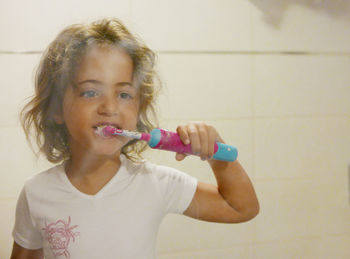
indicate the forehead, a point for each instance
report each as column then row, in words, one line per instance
column 105, row 61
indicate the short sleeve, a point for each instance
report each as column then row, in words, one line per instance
column 178, row 189
column 24, row 232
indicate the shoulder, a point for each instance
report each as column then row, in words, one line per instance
column 176, row 188
column 170, row 177
column 162, row 171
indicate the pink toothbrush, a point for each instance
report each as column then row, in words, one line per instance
column 167, row 140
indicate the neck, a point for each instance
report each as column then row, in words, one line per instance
column 88, row 166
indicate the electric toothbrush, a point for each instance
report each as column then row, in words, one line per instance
column 167, row 140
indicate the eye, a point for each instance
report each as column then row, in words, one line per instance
column 125, row 96
column 89, row 94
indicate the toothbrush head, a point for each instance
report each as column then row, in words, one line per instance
column 105, row 131
column 108, row 131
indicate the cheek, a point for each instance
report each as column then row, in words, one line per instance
column 133, row 107
column 131, row 116
column 69, row 115
column 76, row 117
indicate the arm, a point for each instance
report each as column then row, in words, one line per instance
column 233, row 200
column 19, row 252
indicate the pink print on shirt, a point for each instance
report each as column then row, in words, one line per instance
column 59, row 235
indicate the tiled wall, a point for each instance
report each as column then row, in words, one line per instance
column 272, row 76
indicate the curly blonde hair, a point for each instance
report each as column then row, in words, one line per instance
column 57, row 70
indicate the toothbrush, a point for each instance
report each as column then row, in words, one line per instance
column 167, row 140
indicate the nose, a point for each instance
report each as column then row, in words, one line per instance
column 108, row 106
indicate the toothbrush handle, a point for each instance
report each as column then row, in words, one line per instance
column 167, row 140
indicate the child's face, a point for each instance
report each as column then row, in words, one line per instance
column 104, row 95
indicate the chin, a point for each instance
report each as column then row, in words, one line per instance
column 110, row 151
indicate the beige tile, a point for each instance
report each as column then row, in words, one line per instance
column 33, row 25
column 301, row 25
column 194, row 25
column 179, row 233
column 302, row 209
column 335, row 198
column 7, row 216
column 334, row 247
column 17, row 84
column 313, row 148
column 301, row 85
column 202, row 87
column 18, row 162
column 290, row 209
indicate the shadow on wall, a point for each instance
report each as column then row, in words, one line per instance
column 273, row 10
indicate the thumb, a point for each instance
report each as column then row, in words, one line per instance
column 180, row 156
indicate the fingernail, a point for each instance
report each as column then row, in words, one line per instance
column 187, row 141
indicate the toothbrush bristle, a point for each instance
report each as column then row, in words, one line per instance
column 111, row 131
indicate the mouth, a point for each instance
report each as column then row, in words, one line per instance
column 101, row 129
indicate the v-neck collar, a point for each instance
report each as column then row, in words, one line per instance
column 121, row 174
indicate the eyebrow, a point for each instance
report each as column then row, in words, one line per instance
column 100, row 83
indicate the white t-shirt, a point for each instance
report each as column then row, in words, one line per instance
column 120, row 221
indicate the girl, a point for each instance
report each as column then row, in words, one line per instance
column 102, row 201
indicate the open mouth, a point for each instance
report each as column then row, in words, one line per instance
column 101, row 129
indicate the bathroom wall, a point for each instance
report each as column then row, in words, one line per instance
column 272, row 76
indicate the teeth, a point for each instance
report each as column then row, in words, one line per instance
column 99, row 131
column 103, row 126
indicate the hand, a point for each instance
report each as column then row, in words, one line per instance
column 202, row 138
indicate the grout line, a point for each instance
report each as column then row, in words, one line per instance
column 288, row 239
column 214, row 52
column 253, row 117
column 257, row 52
column 290, row 179
column 305, row 238
column 349, row 183
column 253, row 123
column 298, row 116
column 256, row 117
column 20, row 52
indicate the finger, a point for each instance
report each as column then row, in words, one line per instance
column 204, row 140
column 194, row 138
column 219, row 139
column 212, row 138
column 182, row 132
